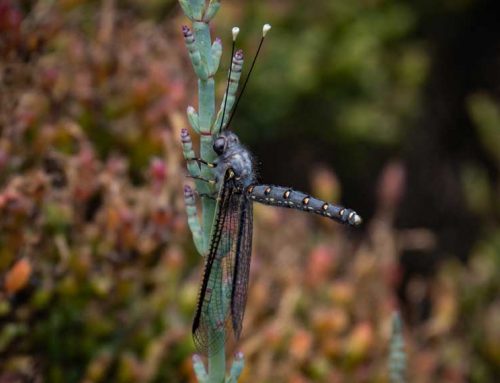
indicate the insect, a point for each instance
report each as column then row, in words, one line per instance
column 224, row 286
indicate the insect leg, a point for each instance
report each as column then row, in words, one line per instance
column 212, row 196
column 211, row 182
column 200, row 161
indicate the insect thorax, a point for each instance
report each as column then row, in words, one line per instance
column 240, row 160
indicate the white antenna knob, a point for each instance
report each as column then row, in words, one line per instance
column 235, row 32
column 265, row 29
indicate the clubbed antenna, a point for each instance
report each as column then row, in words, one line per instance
column 265, row 29
column 235, row 31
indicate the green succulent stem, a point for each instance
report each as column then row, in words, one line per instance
column 205, row 58
column 236, row 368
column 397, row 354
column 193, row 222
column 230, row 95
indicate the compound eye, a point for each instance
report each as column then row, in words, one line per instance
column 219, row 145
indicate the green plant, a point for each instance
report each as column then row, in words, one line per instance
column 397, row 355
column 205, row 57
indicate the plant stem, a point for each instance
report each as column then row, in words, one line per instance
column 205, row 58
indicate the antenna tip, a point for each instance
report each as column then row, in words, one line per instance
column 265, row 29
column 235, row 32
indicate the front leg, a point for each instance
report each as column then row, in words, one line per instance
column 199, row 178
column 212, row 196
column 201, row 161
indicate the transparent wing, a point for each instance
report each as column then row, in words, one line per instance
column 214, row 301
column 242, row 268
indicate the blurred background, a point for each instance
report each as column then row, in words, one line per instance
column 390, row 107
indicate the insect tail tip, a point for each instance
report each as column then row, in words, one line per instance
column 356, row 220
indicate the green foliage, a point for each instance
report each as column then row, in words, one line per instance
column 354, row 63
column 486, row 114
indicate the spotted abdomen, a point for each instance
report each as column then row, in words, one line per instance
column 286, row 197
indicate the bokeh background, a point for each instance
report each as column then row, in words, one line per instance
column 390, row 107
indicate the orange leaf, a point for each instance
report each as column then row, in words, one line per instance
column 18, row 276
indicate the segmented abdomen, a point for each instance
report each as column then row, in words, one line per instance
column 286, row 197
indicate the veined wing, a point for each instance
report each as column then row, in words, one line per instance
column 216, row 293
column 242, row 267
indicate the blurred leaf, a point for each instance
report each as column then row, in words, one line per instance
column 485, row 113
column 18, row 276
